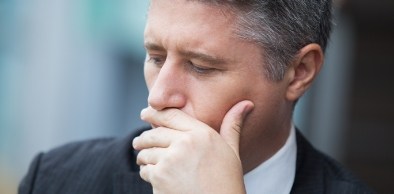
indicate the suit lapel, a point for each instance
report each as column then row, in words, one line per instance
column 130, row 183
column 309, row 174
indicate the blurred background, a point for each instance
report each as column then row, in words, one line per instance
column 72, row 70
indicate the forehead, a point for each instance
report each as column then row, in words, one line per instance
column 219, row 5
column 183, row 12
column 188, row 23
column 181, row 25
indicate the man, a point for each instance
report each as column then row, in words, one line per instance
column 223, row 79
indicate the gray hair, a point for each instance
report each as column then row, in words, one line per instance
column 281, row 28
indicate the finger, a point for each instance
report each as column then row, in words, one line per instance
column 171, row 118
column 157, row 137
column 232, row 124
column 146, row 171
column 150, row 156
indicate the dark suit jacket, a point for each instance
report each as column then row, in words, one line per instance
column 107, row 166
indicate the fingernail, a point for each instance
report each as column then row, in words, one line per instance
column 247, row 109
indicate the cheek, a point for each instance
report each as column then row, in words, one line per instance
column 211, row 113
column 213, row 106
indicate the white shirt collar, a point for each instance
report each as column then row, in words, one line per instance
column 275, row 175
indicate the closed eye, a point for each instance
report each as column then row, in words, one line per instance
column 156, row 60
column 199, row 69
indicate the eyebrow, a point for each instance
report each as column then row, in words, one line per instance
column 203, row 57
column 189, row 54
column 153, row 46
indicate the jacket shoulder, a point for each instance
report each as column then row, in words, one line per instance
column 319, row 173
column 83, row 154
column 80, row 167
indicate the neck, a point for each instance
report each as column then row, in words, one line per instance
column 262, row 147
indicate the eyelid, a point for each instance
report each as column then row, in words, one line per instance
column 156, row 59
column 199, row 69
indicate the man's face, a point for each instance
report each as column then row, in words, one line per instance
column 195, row 63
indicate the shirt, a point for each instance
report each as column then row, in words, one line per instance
column 275, row 175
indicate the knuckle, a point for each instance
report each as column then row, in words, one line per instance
column 148, row 137
column 183, row 147
column 170, row 158
column 144, row 173
column 237, row 126
column 140, row 157
column 159, row 175
column 186, row 140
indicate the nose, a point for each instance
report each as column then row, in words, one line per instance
column 168, row 89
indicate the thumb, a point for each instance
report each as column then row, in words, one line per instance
column 232, row 124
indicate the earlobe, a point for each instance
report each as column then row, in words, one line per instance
column 304, row 70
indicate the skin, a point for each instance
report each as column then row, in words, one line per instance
column 215, row 115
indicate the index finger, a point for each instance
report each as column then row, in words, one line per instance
column 171, row 118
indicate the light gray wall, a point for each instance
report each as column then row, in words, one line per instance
column 69, row 70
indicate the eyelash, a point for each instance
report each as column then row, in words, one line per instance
column 159, row 62
column 198, row 69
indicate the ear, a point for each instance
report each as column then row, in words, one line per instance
column 304, row 69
